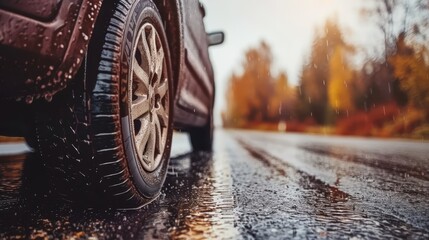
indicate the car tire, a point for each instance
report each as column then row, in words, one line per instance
column 106, row 139
column 202, row 137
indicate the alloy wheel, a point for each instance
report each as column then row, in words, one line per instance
column 150, row 102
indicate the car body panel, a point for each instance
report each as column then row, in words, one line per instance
column 196, row 91
column 33, row 9
column 37, row 57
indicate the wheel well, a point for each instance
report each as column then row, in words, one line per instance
column 17, row 118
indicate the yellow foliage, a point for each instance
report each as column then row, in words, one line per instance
column 339, row 87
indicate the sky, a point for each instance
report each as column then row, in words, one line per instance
column 288, row 26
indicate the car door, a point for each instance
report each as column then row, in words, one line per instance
column 195, row 97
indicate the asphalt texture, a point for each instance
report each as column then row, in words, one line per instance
column 256, row 185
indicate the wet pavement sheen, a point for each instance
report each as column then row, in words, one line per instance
column 254, row 186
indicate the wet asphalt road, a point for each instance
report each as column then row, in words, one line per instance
column 255, row 185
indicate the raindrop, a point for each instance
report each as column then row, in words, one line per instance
column 61, row 46
column 48, row 97
column 29, row 99
column 85, row 37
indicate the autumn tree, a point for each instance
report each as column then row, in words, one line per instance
column 255, row 95
column 237, row 106
column 315, row 75
column 411, row 65
column 395, row 19
column 248, row 94
column 339, row 85
column 282, row 104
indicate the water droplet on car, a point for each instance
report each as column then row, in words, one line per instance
column 85, row 37
column 48, row 97
column 29, row 99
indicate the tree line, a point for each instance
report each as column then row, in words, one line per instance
column 386, row 95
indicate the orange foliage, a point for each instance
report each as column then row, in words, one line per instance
column 384, row 121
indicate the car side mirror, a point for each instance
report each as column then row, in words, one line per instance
column 215, row 38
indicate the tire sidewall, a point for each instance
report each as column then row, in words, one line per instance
column 147, row 183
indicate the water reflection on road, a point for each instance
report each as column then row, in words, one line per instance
column 256, row 185
column 196, row 201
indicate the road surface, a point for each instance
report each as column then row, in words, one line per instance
column 256, row 185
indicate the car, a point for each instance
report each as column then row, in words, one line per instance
column 97, row 88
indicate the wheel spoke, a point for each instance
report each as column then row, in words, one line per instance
column 145, row 51
column 152, row 45
column 140, row 75
column 162, row 88
column 142, row 136
column 139, row 107
column 158, row 130
column 150, row 150
column 159, row 64
column 162, row 115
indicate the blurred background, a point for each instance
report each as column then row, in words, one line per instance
column 322, row 66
